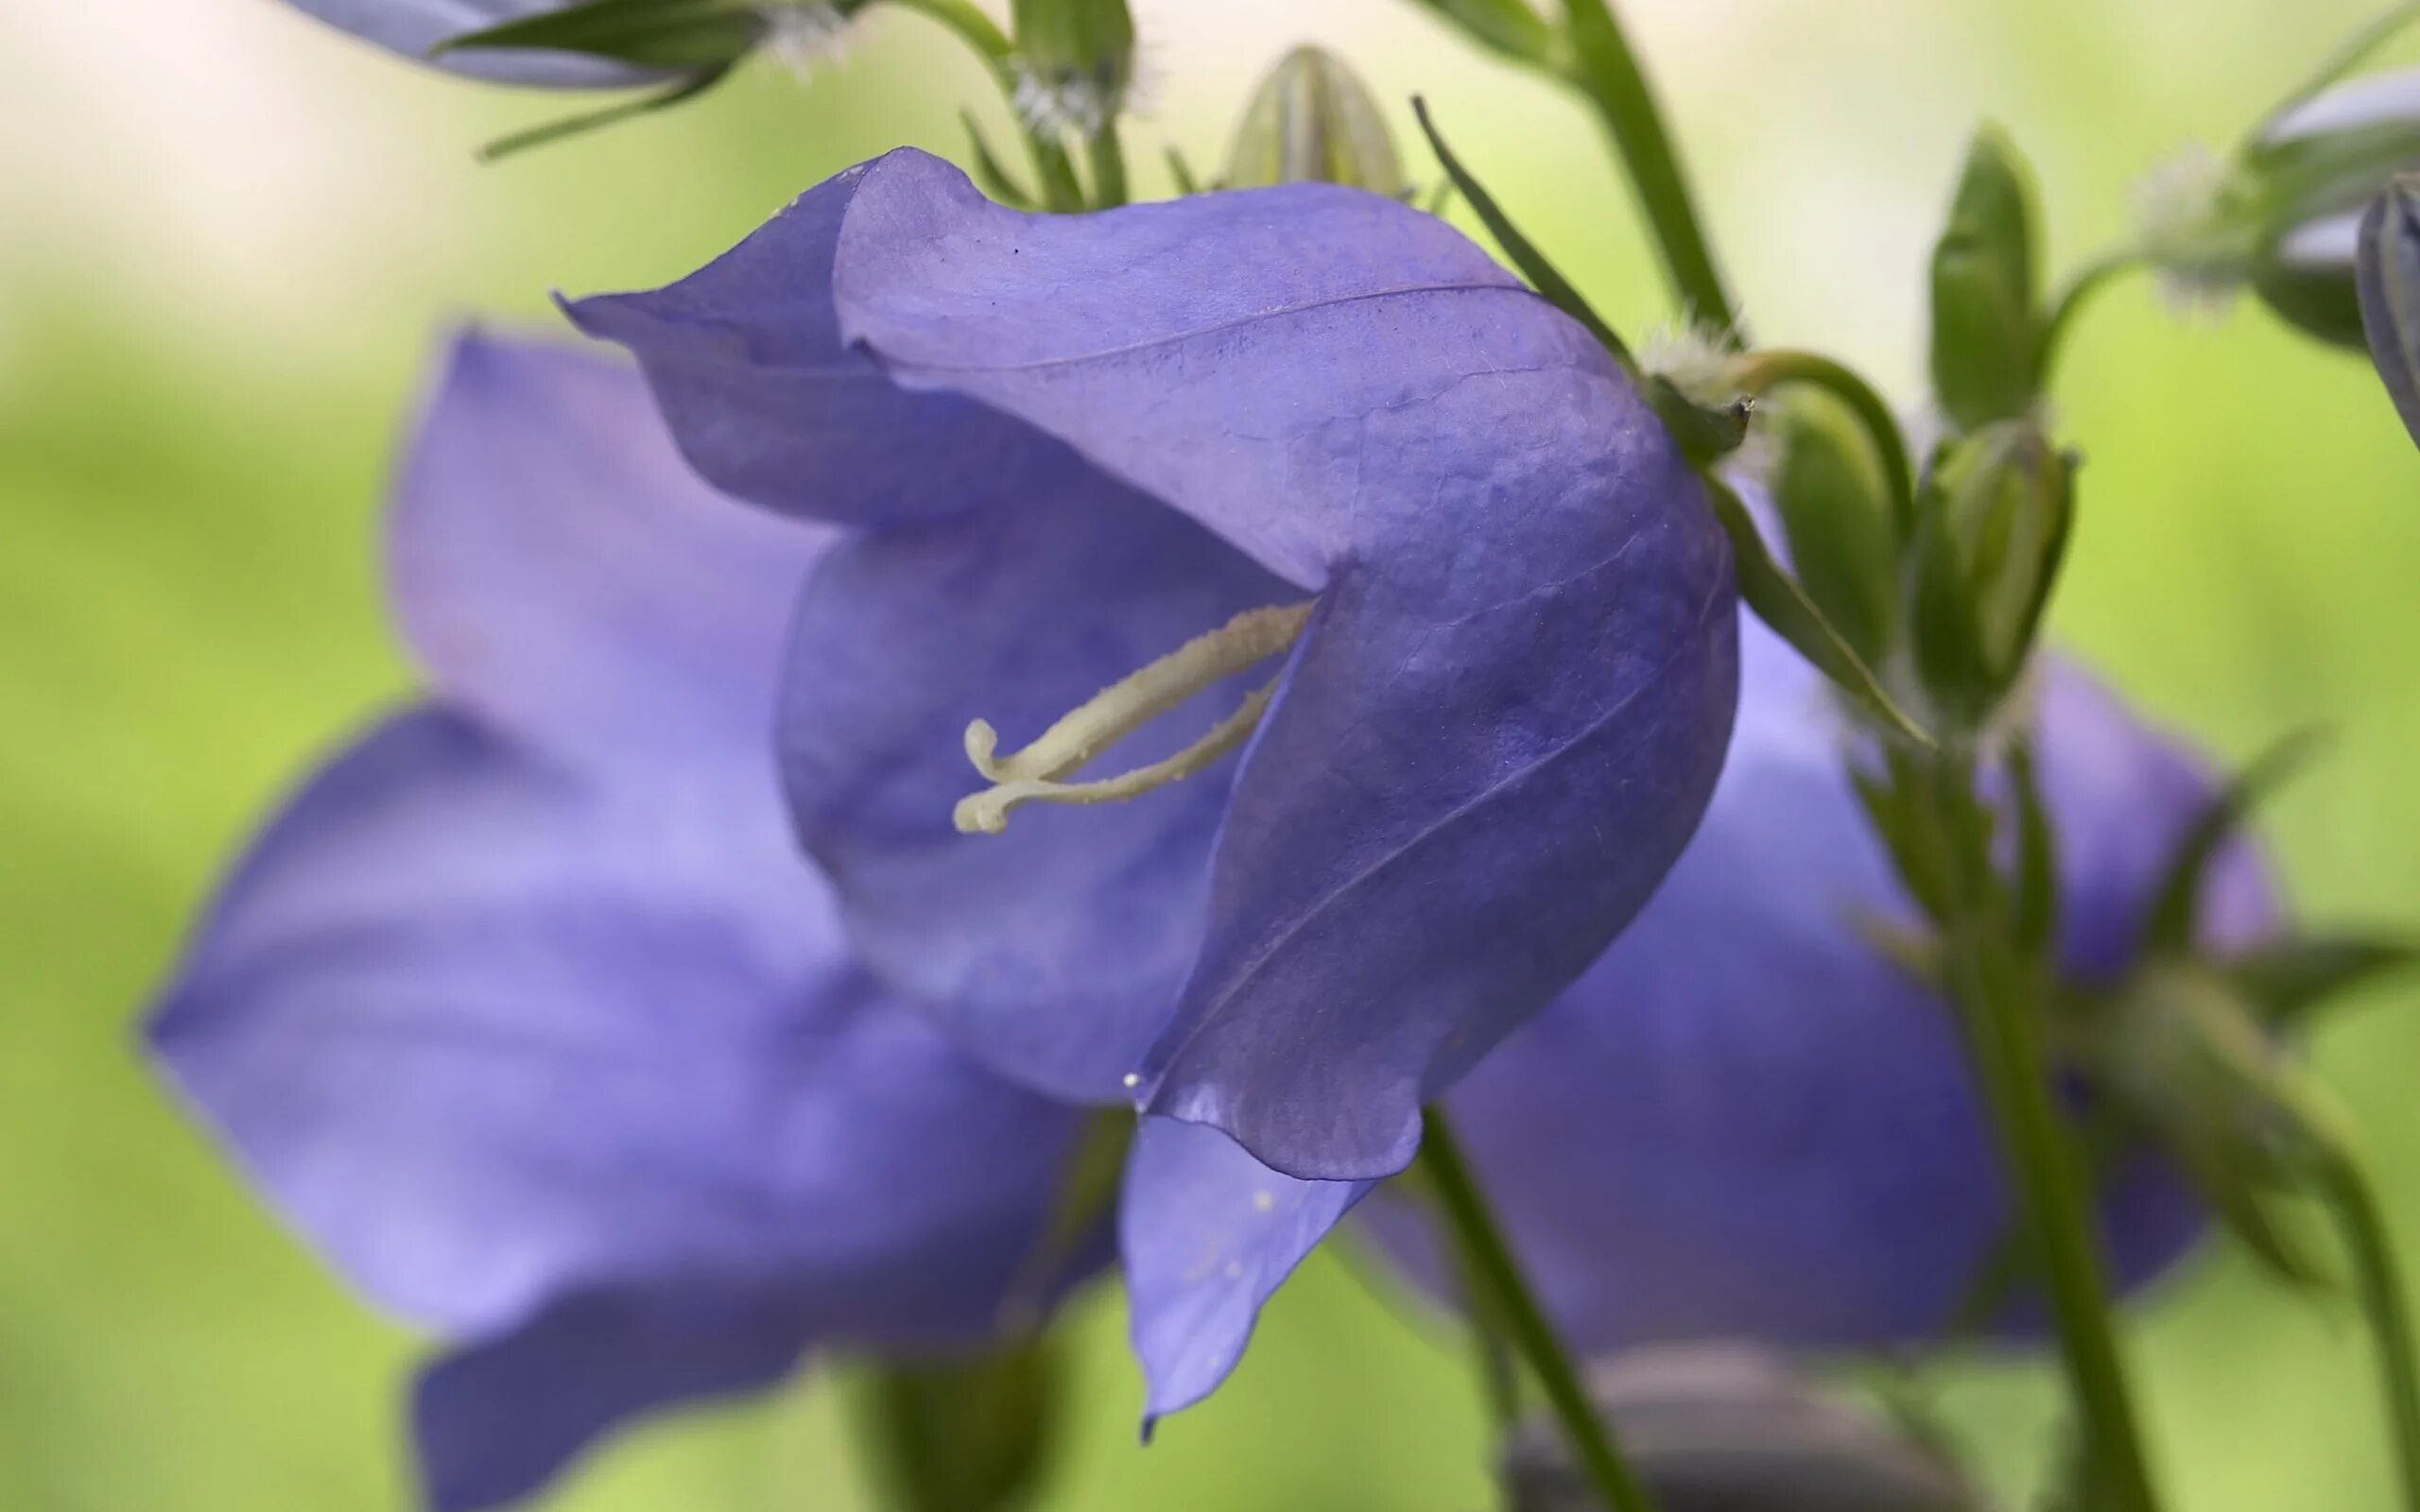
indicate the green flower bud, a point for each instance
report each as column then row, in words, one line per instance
column 1984, row 339
column 1730, row 1429
column 2281, row 218
column 1828, row 488
column 1992, row 529
column 1078, row 62
column 1312, row 120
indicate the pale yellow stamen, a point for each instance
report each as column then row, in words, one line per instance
column 1033, row 775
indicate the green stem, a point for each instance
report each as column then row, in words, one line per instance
column 1108, row 159
column 1489, row 1260
column 972, row 26
column 1760, row 372
column 2014, row 1071
column 1608, row 73
column 2088, row 281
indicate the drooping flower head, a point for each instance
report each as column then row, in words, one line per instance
column 1439, row 574
column 1744, row 1122
column 525, row 1008
column 414, row 28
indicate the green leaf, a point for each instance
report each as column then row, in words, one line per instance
column 2176, row 909
column 682, row 35
column 2285, row 982
column 612, row 114
column 2388, row 280
column 965, row 1436
column 1531, row 263
column 1783, row 605
column 1506, row 26
column 1985, row 337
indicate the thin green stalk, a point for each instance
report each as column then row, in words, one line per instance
column 2088, row 281
column 1108, row 166
column 2052, row 1201
column 972, row 26
column 1489, row 1261
column 1608, row 73
column 1762, row 371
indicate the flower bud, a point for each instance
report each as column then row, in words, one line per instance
column 2282, row 217
column 1078, row 61
column 1992, row 527
column 1312, row 120
column 1828, row 489
column 1731, row 1429
column 1984, row 340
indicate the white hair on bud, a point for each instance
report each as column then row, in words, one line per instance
column 805, row 37
column 1692, row 359
column 2179, row 223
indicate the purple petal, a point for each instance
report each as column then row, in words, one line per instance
column 562, row 573
column 1742, row 1123
column 490, row 1034
column 412, row 27
column 770, row 403
column 1054, row 952
column 1208, row 1233
column 496, row 1422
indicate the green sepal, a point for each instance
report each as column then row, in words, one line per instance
column 1181, row 172
column 2037, row 859
column 1704, row 433
column 1986, row 338
column 686, row 36
column 970, row 1434
column 1777, row 599
column 2388, row 280
column 1829, row 487
column 1087, row 1197
column 989, row 171
column 1526, row 260
column 2172, row 922
column 538, row 137
column 2286, row 982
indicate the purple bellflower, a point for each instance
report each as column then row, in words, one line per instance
column 526, row 1009
column 1742, row 1122
column 1092, row 466
column 413, row 27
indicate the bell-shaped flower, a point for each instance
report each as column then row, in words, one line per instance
column 1462, row 627
column 524, row 1009
column 1744, row 1122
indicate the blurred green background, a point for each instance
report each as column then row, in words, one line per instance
column 227, row 237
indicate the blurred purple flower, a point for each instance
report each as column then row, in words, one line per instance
column 1742, row 1122
column 527, row 1011
column 1068, row 445
column 412, row 27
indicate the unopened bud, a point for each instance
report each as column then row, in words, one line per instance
column 1834, row 502
column 2282, row 216
column 1312, row 120
column 2388, row 278
column 1729, row 1429
column 1992, row 530
column 1078, row 62
column 1985, row 343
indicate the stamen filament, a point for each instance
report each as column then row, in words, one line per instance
column 1034, row 774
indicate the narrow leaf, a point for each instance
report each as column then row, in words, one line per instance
column 2176, row 909
column 612, row 114
column 2286, row 981
column 994, row 179
column 1531, row 263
